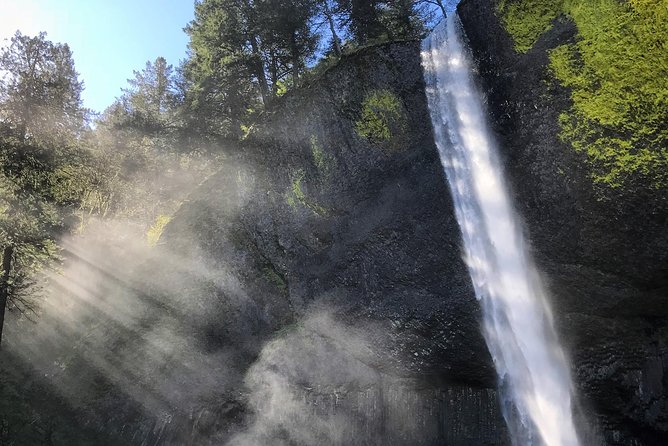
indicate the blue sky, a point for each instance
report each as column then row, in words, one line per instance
column 109, row 38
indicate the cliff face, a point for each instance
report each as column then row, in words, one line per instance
column 605, row 258
column 334, row 225
column 337, row 204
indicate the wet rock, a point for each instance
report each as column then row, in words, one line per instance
column 605, row 261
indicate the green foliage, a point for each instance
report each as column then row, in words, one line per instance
column 275, row 278
column 155, row 231
column 242, row 55
column 382, row 117
column 617, row 71
column 29, row 224
column 41, row 128
column 40, row 91
column 402, row 20
column 365, row 18
column 280, row 88
column 296, row 196
column 219, row 70
column 150, row 103
column 527, row 20
column 323, row 161
column 144, row 160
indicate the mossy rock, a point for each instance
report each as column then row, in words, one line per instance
column 296, row 197
column 382, row 120
column 617, row 71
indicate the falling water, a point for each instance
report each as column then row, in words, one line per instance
column 533, row 373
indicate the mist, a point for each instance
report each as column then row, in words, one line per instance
column 127, row 331
column 338, row 223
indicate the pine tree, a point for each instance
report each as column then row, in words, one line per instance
column 364, row 19
column 240, row 50
column 41, row 122
column 402, row 20
column 40, row 96
column 287, row 25
column 329, row 11
column 149, row 104
column 225, row 70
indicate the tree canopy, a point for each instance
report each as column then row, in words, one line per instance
column 41, row 121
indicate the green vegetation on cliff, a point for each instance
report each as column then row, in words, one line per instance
column 382, row 118
column 322, row 160
column 155, row 231
column 617, row 71
column 296, row 195
column 527, row 20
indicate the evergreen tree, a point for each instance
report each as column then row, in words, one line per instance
column 402, row 20
column 240, row 50
column 225, row 68
column 287, row 28
column 329, row 10
column 41, row 123
column 364, row 19
column 40, row 96
column 149, row 104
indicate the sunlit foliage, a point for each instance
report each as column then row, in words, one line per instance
column 381, row 118
column 41, row 124
column 617, row 71
column 296, row 196
column 155, row 231
column 527, row 20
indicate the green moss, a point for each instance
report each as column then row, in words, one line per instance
column 296, row 197
column 318, row 153
column 324, row 162
column 275, row 278
column 527, row 20
column 281, row 88
column 382, row 118
column 245, row 131
column 155, row 231
column 617, row 71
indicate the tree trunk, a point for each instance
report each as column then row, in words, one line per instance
column 365, row 19
column 259, row 70
column 332, row 28
column 4, row 284
column 295, row 61
column 273, row 73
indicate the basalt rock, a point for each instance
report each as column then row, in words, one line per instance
column 603, row 254
column 337, row 202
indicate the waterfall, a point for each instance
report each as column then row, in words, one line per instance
column 533, row 372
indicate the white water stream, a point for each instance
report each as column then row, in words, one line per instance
column 533, row 372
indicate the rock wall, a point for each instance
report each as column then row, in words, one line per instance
column 313, row 291
column 337, row 203
column 604, row 258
